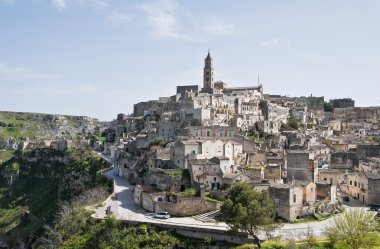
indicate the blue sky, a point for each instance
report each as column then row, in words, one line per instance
column 99, row 57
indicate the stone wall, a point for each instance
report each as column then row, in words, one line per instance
column 189, row 88
column 287, row 201
column 187, row 206
column 364, row 151
column 299, row 166
column 344, row 160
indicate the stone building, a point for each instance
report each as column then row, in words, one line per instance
column 344, row 160
column 287, row 199
column 364, row 186
column 185, row 150
column 210, row 172
column 342, row 103
column 326, row 191
column 301, row 167
column 225, row 132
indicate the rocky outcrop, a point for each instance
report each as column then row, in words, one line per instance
column 9, row 144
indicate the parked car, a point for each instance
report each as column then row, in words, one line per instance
column 162, row 215
column 374, row 207
column 346, row 198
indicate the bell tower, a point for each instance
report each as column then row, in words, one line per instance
column 208, row 73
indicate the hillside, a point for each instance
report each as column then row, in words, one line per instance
column 22, row 126
column 35, row 183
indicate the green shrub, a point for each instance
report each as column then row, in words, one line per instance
column 273, row 245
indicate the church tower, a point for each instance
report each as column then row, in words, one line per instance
column 208, row 73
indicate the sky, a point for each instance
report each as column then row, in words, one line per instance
column 99, row 57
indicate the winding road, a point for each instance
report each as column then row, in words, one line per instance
column 123, row 208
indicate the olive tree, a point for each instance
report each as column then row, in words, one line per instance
column 353, row 229
column 249, row 211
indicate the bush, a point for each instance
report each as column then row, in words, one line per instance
column 246, row 246
column 293, row 123
column 190, row 192
column 273, row 245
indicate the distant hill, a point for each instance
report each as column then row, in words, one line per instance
column 24, row 126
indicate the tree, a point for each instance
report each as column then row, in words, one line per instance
column 327, row 107
column 354, row 229
column 247, row 210
column 293, row 123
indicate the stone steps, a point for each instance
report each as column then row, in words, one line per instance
column 207, row 216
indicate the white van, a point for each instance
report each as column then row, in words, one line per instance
column 162, row 215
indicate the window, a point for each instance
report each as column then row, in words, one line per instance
column 208, row 133
column 355, row 183
column 294, row 198
column 350, row 182
column 214, row 179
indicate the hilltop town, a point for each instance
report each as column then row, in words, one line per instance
column 183, row 152
column 181, row 155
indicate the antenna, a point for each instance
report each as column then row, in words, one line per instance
column 258, row 79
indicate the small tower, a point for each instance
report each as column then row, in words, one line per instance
column 208, row 73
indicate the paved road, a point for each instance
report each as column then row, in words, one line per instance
column 123, row 208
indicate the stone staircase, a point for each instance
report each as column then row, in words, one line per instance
column 207, row 217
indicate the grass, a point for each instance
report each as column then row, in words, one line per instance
column 176, row 172
column 212, row 199
column 190, row 192
column 208, row 198
column 101, row 138
column 21, row 125
column 6, row 155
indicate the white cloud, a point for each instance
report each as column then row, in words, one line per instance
column 21, row 73
column 161, row 16
column 118, row 18
column 220, row 27
column 269, row 42
column 60, row 4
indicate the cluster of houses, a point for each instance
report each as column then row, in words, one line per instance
column 180, row 151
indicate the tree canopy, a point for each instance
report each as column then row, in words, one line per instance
column 354, row 229
column 247, row 210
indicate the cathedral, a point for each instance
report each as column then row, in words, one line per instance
column 215, row 104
